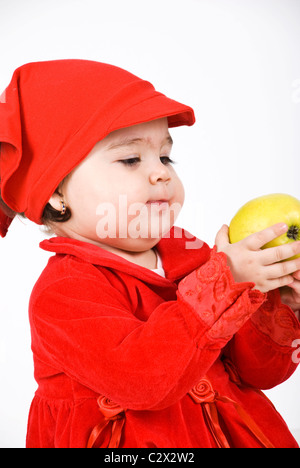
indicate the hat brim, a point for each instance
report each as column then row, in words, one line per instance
column 155, row 108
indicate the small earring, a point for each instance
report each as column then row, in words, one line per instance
column 63, row 207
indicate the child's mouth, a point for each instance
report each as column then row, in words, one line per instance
column 161, row 205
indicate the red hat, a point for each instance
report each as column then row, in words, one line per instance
column 51, row 116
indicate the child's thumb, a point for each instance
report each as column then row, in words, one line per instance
column 222, row 238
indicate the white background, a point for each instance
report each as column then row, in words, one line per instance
column 236, row 62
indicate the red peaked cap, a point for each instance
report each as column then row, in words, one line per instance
column 54, row 112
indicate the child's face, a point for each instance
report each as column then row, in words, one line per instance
column 126, row 193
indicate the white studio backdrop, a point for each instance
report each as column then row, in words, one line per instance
column 236, row 62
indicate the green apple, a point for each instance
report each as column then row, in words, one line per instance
column 263, row 212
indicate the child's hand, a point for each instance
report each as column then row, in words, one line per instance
column 290, row 295
column 248, row 262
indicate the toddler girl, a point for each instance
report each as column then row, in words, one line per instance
column 142, row 336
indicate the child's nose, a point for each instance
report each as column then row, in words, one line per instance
column 160, row 173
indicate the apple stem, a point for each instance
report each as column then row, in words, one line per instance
column 293, row 233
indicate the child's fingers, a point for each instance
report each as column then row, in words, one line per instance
column 283, row 252
column 257, row 240
column 295, row 286
column 296, row 275
column 279, row 283
column 283, row 269
column 222, row 238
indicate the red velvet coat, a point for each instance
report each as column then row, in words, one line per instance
column 124, row 357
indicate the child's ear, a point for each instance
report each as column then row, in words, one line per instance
column 55, row 201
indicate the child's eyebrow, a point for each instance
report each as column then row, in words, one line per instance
column 131, row 141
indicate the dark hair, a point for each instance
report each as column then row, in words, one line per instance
column 50, row 214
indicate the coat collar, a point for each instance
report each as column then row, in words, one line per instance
column 181, row 253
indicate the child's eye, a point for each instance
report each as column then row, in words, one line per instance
column 130, row 161
column 166, row 160
column 135, row 160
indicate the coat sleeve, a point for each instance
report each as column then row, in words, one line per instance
column 263, row 351
column 87, row 332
